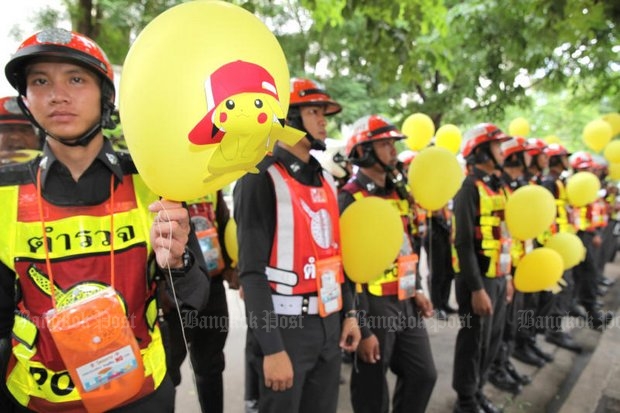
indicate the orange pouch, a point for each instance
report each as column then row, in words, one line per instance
column 328, row 285
column 99, row 349
column 407, row 266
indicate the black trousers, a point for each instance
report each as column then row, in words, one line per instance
column 405, row 350
column 206, row 332
column 536, row 316
column 438, row 249
column 608, row 248
column 312, row 345
column 479, row 338
column 586, row 273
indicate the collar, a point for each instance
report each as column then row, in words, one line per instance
column 294, row 165
column 370, row 185
column 491, row 180
column 106, row 155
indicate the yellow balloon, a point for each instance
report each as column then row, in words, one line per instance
column 597, row 134
column 435, row 176
column 552, row 139
column 569, row 246
column 539, row 270
column 449, row 137
column 612, row 151
column 582, row 188
column 419, row 130
column 186, row 79
column 614, row 171
column 230, row 240
column 529, row 211
column 371, row 234
column 614, row 121
column 519, row 127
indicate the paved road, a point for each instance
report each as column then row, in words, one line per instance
column 552, row 384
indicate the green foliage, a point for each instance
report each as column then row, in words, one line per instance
column 459, row 61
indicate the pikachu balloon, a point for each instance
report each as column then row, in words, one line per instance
column 244, row 118
column 204, row 92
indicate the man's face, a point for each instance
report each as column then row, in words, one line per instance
column 65, row 99
column 16, row 137
column 314, row 120
column 496, row 151
column 385, row 151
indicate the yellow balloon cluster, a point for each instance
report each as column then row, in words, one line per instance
column 519, row 127
column 582, row 188
column 419, row 130
column 371, row 234
column 178, row 79
column 449, row 137
column 529, row 211
column 569, row 246
column 539, row 270
column 597, row 134
column 435, row 176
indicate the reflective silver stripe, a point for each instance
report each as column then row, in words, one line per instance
column 279, row 276
column 294, row 305
column 285, row 228
column 331, row 181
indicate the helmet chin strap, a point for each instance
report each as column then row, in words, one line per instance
column 84, row 140
column 315, row 143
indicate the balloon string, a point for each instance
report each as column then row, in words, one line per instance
column 171, row 284
column 430, row 248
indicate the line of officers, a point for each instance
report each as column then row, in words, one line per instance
column 467, row 242
column 289, row 265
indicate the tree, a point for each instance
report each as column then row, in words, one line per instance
column 458, row 61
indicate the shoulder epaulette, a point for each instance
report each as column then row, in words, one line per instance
column 126, row 162
column 18, row 173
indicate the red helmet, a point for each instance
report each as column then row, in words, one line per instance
column 535, row 146
column 306, row 92
column 369, row 129
column 58, row 43
column 10, row 113
column 581, row 160
column 515, row 145
column 555, row 149
column 479, row 134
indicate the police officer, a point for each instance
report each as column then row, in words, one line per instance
column 299, row 310
column 482, row 247
column 536, row 306
column 77, row 220
column 16, row 132
column 555, row 182
column 503, row 373
column 402, row 346
column 586, row 273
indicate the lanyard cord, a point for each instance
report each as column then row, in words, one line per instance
column 46, row 246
